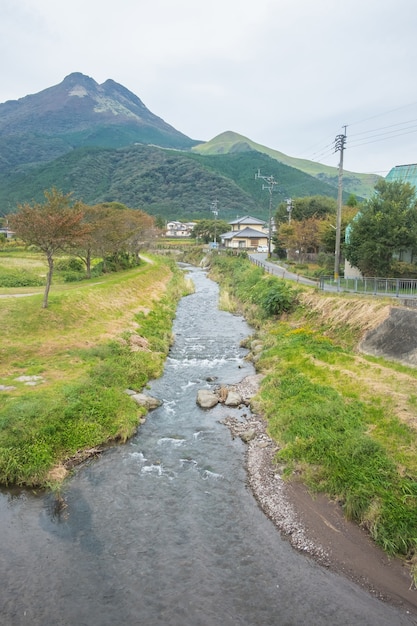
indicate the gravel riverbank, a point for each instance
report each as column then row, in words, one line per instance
column 316, row 526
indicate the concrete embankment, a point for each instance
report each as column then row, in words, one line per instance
column 383, row 329
column 395, row 338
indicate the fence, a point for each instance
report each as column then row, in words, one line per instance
column 393, row 287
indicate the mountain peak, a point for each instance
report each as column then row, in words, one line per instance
column 80, row 112
column 75, row 77
column 79, row 85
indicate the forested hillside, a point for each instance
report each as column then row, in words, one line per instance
column 169, row 183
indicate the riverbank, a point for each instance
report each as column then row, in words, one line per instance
column 64, row 370
column 316, row 525
column 344, row 425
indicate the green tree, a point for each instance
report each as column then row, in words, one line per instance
column 385, row 225
column 160, row 222
column 210, row 230
column 53, row 226
column 352, row 201
column 328, row 228
column 305, row 208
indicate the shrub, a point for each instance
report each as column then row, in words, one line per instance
column 276, row 297
column 19, row 278
column 401, row 269
column 251, row 285
column 72, row 277
column 71, row 264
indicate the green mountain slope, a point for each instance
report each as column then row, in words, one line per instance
column 229, row 142
column 161, row 182
column 170, row 183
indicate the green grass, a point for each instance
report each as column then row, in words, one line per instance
column 345, row 424
column 81, row 347
column 345, row 444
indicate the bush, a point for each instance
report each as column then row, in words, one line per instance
column 326, row 261
column 120, row 261
column 72, row 277
column 275, row 297
column 19, row 278
column 400, row 269
column 251, row 285
column 71, row 264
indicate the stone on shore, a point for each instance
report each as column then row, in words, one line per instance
column 248, row 435
column 147, row 401
column 206, row 399
column 233, row 399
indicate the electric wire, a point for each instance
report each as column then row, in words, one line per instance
column 369, row 136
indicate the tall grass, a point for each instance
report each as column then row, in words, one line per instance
column 336, row 442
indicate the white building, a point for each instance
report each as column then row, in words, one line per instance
column 179, row 229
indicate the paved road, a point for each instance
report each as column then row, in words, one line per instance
column 261, row 259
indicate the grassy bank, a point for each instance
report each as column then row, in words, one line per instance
column 345, row 423
column 64, row 370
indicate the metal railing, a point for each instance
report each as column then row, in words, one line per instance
column 393, row 287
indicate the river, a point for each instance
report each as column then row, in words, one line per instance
column 163, row 530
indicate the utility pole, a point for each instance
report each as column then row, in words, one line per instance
column 215, row 213
column 339, row 146
column 289, row 209
column 271, row 182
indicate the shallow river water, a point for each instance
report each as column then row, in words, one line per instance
column 163, row 530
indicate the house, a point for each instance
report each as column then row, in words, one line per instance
column 179, row 229
column 7, row 233
column 246, row 232
column 403, row 173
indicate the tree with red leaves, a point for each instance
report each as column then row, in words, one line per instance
column 53, row 226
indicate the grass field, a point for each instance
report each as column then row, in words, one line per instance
column 96, row 339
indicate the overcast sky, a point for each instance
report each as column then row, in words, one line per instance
column 288, row 74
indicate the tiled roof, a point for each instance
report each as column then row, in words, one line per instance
column 247, row 219
column 250, row 233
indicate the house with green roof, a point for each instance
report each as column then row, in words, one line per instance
column 403, row 173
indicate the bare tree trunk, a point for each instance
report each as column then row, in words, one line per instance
column 88, row 264
column 48, row 281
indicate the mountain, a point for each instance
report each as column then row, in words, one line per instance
column 229, row 143
column 171, row 183
column 78, row 112
column 101, row 143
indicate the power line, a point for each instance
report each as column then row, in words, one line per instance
column 372, row 135
column 383, row 127
column 372, row 117
column 383, row 137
